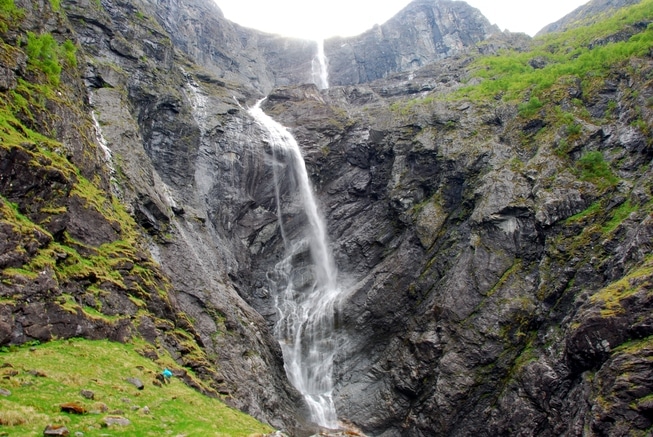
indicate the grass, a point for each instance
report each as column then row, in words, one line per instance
column 569, row 53
column 530, row 108
column 9, row 14
column 45, row 54
column 101, row 366
column 589, row 211
column 619, row 215
column 634, row 346
column 573, row 59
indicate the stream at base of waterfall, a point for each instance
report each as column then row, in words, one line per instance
column 305, row 287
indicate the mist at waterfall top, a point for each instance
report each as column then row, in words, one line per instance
column 317, row 19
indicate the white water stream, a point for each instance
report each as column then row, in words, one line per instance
column 307, row 289
column 319, row 67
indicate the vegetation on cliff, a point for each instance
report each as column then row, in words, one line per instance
column 73, row 262
column 587, row 53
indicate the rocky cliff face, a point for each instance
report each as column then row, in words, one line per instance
column 422, row 33
column 180, row 142
column 249, row 58
column 93, row 270
column 73, row 261
column 483, row 289
column 496, row 259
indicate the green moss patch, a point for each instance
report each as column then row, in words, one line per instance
column 638, row 280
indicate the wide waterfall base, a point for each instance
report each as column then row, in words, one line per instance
column 306, row 333
column 324, row 416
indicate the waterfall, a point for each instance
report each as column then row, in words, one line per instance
column 307, row 290
column 319, row 67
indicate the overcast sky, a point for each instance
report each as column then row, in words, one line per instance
column 324, row 18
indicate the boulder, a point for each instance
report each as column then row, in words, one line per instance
column 56, row 430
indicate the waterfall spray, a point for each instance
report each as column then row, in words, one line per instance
column 307, row 293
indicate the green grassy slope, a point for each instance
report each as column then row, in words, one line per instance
column 42, row 377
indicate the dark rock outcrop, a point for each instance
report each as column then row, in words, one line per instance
column 478, row 297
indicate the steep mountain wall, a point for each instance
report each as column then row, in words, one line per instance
column 180, row 144
column 496, row 259
column 483, row 269
column 131, row 244
column 425, row 31
column 74, row 260
column 230, row 52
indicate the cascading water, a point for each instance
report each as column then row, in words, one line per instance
column 319, row 67
column 307, row 292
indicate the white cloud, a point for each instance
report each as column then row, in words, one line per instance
column 324, row 18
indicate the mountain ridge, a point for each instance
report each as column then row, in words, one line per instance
column 585, row 14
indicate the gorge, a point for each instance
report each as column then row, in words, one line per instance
column 487, row 198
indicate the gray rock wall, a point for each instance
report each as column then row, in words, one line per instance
column 187, row 170
column 422, row 33
column 477, row 303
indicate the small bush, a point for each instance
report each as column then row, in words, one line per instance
column 529, row 108
column 42, row 55
column 69, row 52
column 46, row 55
column 593, row 168
column 573, row 129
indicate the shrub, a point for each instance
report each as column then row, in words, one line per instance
column 573, row 129
column 46, row 55
column 42, row 55
column 529, row 108
column 593, row 168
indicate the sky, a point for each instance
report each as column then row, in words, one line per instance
column 315, row 19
